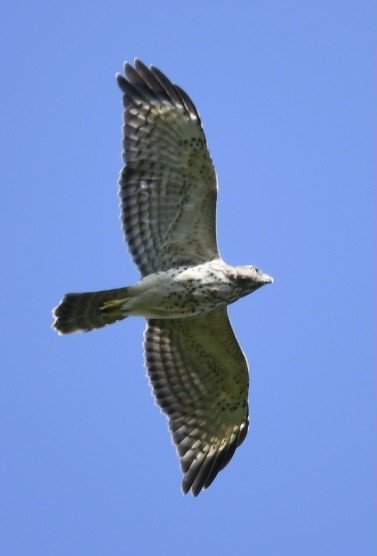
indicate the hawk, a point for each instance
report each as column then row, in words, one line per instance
column 168, row 190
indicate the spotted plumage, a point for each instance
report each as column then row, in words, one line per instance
column 168, row 192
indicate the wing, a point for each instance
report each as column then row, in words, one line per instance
column 168, row 187
column 200, row 379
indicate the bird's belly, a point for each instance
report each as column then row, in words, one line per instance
column 175, row 299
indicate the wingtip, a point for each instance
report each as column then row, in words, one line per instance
column 119, row 77
column 137, row 63
column 187, row 487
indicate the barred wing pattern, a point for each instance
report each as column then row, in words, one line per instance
column 168, row 191
column 168, row 188
column 200, row 379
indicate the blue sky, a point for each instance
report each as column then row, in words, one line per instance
column 285, row 91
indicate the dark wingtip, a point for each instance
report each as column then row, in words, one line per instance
column 122, row 82
column 200, row 475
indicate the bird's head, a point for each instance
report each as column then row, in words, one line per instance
column 250, row 278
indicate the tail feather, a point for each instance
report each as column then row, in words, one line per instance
column 86, row 311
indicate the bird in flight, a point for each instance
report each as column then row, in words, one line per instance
column 168, row 190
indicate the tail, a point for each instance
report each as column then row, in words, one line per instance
column 81, row 312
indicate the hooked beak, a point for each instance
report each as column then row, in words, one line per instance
column 266, row 279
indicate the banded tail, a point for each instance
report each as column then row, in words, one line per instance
column 81, row 312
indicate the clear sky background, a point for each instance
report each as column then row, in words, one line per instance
column 286, row 93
